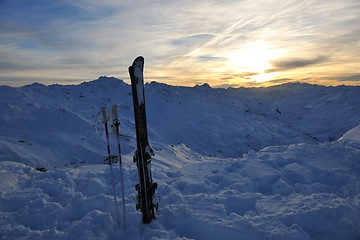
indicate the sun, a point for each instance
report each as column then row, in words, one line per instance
column 254, row 59
column 264, row 77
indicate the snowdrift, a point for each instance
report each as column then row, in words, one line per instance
column 249, row 163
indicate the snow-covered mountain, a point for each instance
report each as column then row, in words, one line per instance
column 247, row 163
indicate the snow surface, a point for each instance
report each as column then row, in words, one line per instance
column 250, row 163
column 353, row 134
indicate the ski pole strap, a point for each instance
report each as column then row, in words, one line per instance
column 95, row 123
column 105, row 117
column 114, row 113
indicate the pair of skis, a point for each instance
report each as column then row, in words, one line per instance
column 142, row 157
column 111, row 158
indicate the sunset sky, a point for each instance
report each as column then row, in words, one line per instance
column 225, row 43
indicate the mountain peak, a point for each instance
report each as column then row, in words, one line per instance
column 203, row 86
column 105, row 82
column 106, row 78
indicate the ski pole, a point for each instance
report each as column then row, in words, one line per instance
column 103, row 109
column 116, row 122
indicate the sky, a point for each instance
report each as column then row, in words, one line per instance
column 225, row 43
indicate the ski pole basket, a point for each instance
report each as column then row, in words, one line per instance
column 112, row 158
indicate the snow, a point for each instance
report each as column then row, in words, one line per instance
column 353, row 134
column 250, row 163
column 138, row 73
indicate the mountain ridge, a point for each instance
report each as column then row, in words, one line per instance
column 212, row 121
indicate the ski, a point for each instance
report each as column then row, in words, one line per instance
column 142, row 157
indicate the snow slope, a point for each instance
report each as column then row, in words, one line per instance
column 248, row 163
column 353, row 134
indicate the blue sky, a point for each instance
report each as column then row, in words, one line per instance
column 224, row 43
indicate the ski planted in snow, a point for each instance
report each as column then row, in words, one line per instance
column 142, row 157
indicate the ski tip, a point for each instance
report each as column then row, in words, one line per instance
column 139, row 58
column 139, row 61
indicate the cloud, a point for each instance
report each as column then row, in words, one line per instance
column 247, row 74
column 210, row 58
column 280, row 81
column 192, row 40
column 6, row 65
column 282, row 65
column 355, row 78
